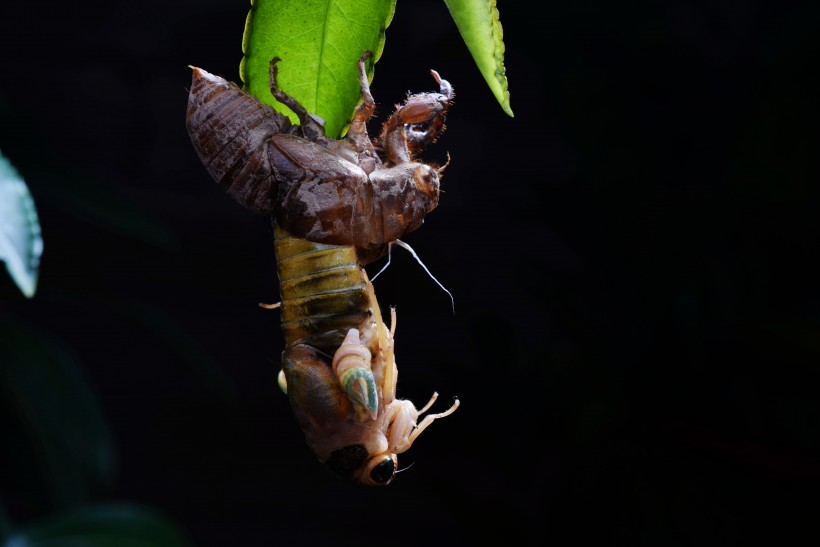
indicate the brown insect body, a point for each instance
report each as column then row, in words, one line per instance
column 336, row 205
column 230, row 131
column 332, row 191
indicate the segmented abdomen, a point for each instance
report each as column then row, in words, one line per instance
column 230, row 131
column 323, row 291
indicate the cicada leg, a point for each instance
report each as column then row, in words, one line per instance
column 404, row 428
column 430, row 418
column 416, row 123
column 357, row 134
column 421, row 134
column 313, row 127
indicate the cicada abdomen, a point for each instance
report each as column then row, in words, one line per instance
column 231, row 131
column 322, row 291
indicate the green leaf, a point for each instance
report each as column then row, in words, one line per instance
column 20, row 241
column 480, row 27
column 59, row 412
column 108, row 525
column 319, row 43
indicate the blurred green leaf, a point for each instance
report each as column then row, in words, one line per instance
column 320, row 43
column 480, row 27
column 20, row 241
column 108, row 525
column 70, row 440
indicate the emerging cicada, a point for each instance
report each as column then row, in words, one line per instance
column 336, row 205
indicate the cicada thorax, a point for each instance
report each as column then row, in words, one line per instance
column 344, row 206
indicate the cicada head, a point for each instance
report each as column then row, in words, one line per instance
column 353, row 462
column 374, row 462
column 351, row 443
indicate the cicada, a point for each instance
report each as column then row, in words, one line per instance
column 335, row 206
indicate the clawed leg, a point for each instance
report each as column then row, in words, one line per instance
column 428, row 130
column 430, row 418
column 357, row 133
column 416, row 123
column 312, row 126
column 358, row 127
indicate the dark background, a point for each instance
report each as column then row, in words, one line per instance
column 637, row 316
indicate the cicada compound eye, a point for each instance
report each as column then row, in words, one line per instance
column 379, row 471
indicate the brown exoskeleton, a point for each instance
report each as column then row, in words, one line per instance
column 340, row 192
column 336, row 206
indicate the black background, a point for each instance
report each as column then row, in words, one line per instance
column 637, row 320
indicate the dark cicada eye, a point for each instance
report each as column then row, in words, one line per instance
column 347, row 460
column 379, row 471
column 383, row 472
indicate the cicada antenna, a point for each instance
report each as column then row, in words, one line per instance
column 405, row 468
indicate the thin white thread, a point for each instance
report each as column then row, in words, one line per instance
column 401, row 243
column 389, row 258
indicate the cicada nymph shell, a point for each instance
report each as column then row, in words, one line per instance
column 230, row 131
column 342, row 192
column 335, row 206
